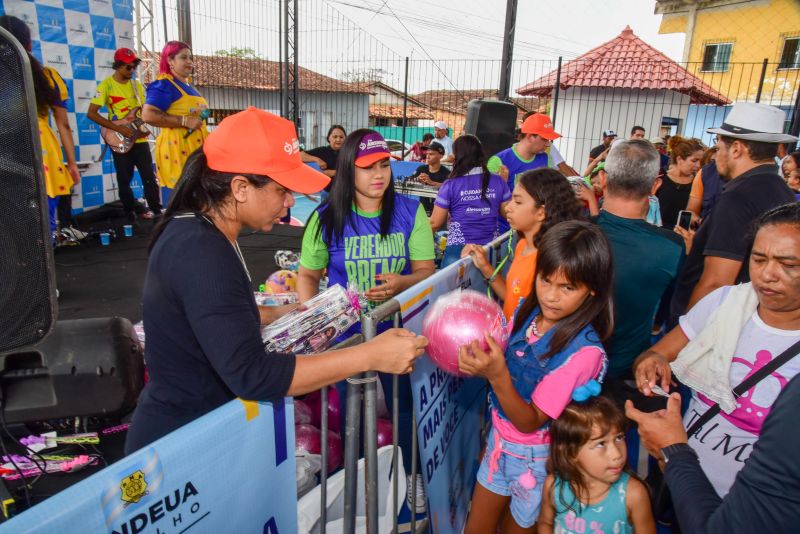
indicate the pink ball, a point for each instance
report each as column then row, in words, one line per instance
column 335, row 451
column 384, row 432
column 302, row 413
column 307, row 438
column 334, row 409
column 314, row 399
column 457, row 319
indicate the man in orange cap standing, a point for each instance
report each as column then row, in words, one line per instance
column 531, row 152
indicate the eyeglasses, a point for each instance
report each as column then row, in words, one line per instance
column 129, row 67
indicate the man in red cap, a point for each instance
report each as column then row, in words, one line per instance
column 123, row 95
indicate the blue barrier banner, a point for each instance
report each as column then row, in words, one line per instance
column 403, row 169
column 449, row 409
column 78, row 38
column 232, row 470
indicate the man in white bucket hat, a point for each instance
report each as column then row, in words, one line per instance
column 747, row 142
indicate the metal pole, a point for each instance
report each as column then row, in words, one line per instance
column 184, row 22
column 405, row 111
column 351, row 440
column 554, row 107
column 794, row 128
column 296, row 101
column 164, row 17
column 285, row 89
column 323, row 477
column 761, row 80
column 395, row 430
column 508, row 50
column 282, row 93
column 369, row 329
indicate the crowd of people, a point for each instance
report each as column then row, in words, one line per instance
column 597, row 264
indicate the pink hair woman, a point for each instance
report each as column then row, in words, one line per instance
column 175, row 106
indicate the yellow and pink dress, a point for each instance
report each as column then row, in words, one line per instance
column 173, row 146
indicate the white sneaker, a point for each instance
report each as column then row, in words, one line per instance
column 74, row 233
column 418, row 487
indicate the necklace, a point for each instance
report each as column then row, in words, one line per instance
column 534, row 328
column 238, row 251
column 233, row 242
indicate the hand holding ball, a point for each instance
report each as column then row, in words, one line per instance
column 457, row 319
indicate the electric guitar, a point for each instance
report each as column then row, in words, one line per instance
column 118, row 142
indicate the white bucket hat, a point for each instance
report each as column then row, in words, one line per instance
column 754, row 122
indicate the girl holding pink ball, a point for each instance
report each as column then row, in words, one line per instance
column 554, row 355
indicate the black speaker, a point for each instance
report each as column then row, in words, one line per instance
column 27, row 273
column 85, row 367
column 493, row 122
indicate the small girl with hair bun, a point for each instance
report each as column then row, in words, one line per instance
column 590, row 488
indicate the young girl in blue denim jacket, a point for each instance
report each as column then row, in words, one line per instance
column 554, row 355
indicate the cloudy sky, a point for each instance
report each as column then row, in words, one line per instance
column 457, row 29
column 451, row 43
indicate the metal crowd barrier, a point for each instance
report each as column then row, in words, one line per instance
column 362, row 391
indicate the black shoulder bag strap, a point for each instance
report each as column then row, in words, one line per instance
column 748, row 383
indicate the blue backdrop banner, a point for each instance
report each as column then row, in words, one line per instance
column 232, row 470
column 449, row 409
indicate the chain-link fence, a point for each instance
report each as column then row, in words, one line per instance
column 345, row 76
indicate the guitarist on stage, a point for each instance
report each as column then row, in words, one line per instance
column 121, row 94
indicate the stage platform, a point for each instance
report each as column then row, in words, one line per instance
column 103, row 281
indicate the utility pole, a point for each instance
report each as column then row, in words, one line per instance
column 291, row 102
column 184, row 21
column 508, row 49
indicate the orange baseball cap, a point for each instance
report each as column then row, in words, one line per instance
column 254, row 141
column 540, row 125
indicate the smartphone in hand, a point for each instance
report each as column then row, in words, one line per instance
column 685, row 219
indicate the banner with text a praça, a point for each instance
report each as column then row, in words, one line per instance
column 232, row 470
column 449, row 409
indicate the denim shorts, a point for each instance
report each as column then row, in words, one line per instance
column 517, row 471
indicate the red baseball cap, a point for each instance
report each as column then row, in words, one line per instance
column 254, row 141
column 126, row 55
column 371, row 148
column 540, row 125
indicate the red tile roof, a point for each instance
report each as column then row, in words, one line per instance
column 626, row 62
column 259, row 74
column 455, row 101
column 396, row 112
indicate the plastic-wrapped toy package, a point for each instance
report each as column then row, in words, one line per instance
column 274, row 299
column 313, row 327
column 457, row 319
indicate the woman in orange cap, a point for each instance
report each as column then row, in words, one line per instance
column 204, row 346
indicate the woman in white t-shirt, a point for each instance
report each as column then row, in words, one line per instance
column 727, row 336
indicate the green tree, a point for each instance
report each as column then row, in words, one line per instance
column 241, row 53
column 372, row 74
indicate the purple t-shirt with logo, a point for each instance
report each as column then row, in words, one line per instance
column 472, row 219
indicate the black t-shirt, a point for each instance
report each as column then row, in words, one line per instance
column 439, row 177
column 204, row 343
column 596, row 151
column 328, row 155
column 672, row 198
column 727, row 231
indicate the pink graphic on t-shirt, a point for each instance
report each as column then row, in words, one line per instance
column 749, row 415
